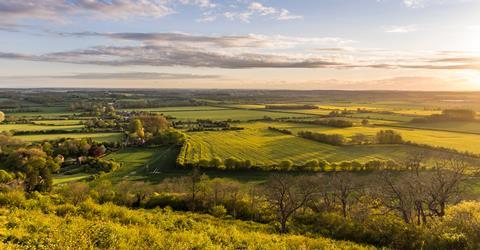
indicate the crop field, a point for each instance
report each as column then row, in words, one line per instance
column 458, row 141
column 173, row 109
column 35, row 127
column 44, row 112
column 464, row 127
column 58, row 122
column 388, row 117
column 234, row 114
column 246, row 106
column 100, row 137
column 263, row 146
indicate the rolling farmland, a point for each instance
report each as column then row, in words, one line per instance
column 458, row 141
column 267, row 147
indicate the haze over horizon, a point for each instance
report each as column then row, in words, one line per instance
column 330, row 44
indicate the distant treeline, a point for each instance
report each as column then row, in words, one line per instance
column 449, row 115
column 337, row 123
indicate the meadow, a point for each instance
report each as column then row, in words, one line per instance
column 39, row 127
column 58, row 122
column 177, row 109
column 265, row 147
column 454, row 140
column 100, row 137
column 234, row 114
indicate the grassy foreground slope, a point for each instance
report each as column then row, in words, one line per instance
column 263, row 146
column 93, row 226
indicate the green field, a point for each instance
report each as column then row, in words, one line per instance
column 141, row 163
column 182, row 108
column 44, row 112
column 458, row 141
column 464, row 127
column 100, row 137
column 161, row 164
column 58, row 122
column 388, row 117
column 263, row 146
column 234, row 114
column 35, row 127
column 61, row 179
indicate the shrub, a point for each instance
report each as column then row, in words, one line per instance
column 388, row 137
column 286, row 165
column 218, row 211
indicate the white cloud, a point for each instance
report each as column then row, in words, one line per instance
column 12, row 11
column 400, row 29
column 414, row 3
column 244, row 11
column 285, row 15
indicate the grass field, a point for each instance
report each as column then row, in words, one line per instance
column 465, row 127
column 459, row 141
column 388, row 117
column 35, row 127
column 182, row 108
column 140, row 163
column 44, row 112
column 100, row 137
column 58, row 122
column 234, row 114
column 61, row 179
column 263, row 146
column 135, row 160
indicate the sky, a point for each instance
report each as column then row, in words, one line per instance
column 241, row 44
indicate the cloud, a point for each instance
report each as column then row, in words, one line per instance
column 153, row 55
column 62, row 11
column 202, row 41
column 12, row 11
column 173, row 56
column 253, row 9
column 122, row 76
column 414, row 3
column 400, row 29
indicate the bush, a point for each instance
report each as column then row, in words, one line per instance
column 332, row 139
column 218, row 211
column 5, row 177
column 388, row 137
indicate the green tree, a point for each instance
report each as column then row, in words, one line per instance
column 136, row 127
column 154, row 124
column 36, row 166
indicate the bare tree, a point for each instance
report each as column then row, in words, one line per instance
column 343, row 187
column 445, row 184
column 421, row 194
column 287, row 194
column 196, row 183
column 233, row 189
column 394, row 196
